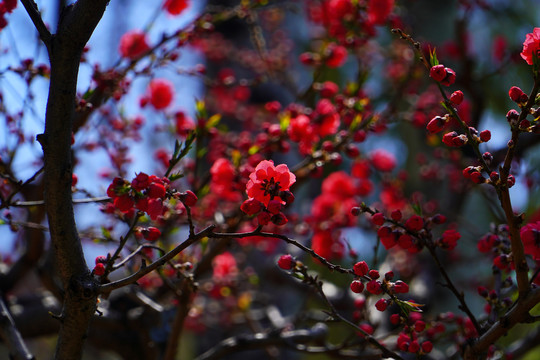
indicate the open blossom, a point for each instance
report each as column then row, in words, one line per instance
column 531, row 46
column 161, row 93
column 133, row 44
column 175, row 7
column 383, row 160
column 379, row 10
column 530, row 236
column 267, row 180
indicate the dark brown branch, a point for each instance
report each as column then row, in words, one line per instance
column 519, row 313
column 295, row 340
column 35, row 16
column 107, row 288
column 99, row 199
column 11, row 336
column 65, row 49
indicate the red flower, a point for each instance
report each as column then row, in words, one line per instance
column 378, row 10
column 124, row 203
column 151, row 233
column 251, row 206
column 339, row 185
column 267, row 180
column 531, row 45
column 457, row 97
column 154, row 208
column 357, row 286
column 361, row 268
column 161, row 93
column 326, row 246
column 224, row 266
column 449, row 239
column 133, row 44
column 286, row 262
column 383, row 160
column 414, row 223
column 374, row 287
column 99, row 269
column 382, row 304
column 175, row 7
column 530, row 236
column 140, row 182
column 184, row 124
column 337, row 55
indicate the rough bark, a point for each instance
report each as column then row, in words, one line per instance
column 75, row 27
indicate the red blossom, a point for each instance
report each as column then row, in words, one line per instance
column 456, row 97
column 161, row 93
column 530, row 236
column 251, row 206
column 337, row 55
column 286, row 262
column 357, row 286
column 133, row 44
column 379, row 10
column 99, row 269
column 124, row 203
column 224, row 266
column 381, row 304
column 324, row 244
column 151, row 233
column 531, row 46
column 374, row 287
column 382, row 160
column 175, row 7
column 361, row 268
column 267, row 180
column 414, row 223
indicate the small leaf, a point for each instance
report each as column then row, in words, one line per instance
column 433, row 57
column 175, row 176
column 213, row 121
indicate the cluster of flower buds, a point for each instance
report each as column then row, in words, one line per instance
column 145, row 193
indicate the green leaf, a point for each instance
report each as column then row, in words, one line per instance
column 417, row 209
column 175, row 176
column 433, row 57
column 213, row 121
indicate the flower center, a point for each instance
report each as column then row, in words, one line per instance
column 270, row 187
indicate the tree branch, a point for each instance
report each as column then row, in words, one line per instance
column 107, row 288
column 519, row 313
column 11, row 336
column 295, row 340
column 35, row 16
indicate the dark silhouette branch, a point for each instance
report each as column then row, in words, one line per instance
column 35, row 16
column 11, row 336
column 297, row 340
column 65, row 48
column 519, row 313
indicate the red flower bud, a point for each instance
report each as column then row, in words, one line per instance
column 286, row 262
column 189, row 198
column 151, row 233
column 401, row 287
column 485, row 135
column 437, row 72
column 374, row 274
column 516, row 94
column 361, row 268
column 251, row 206
column 457, row 97
column 357, row 286
column 99, row 269
column 382, row 304
column 377, row 219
